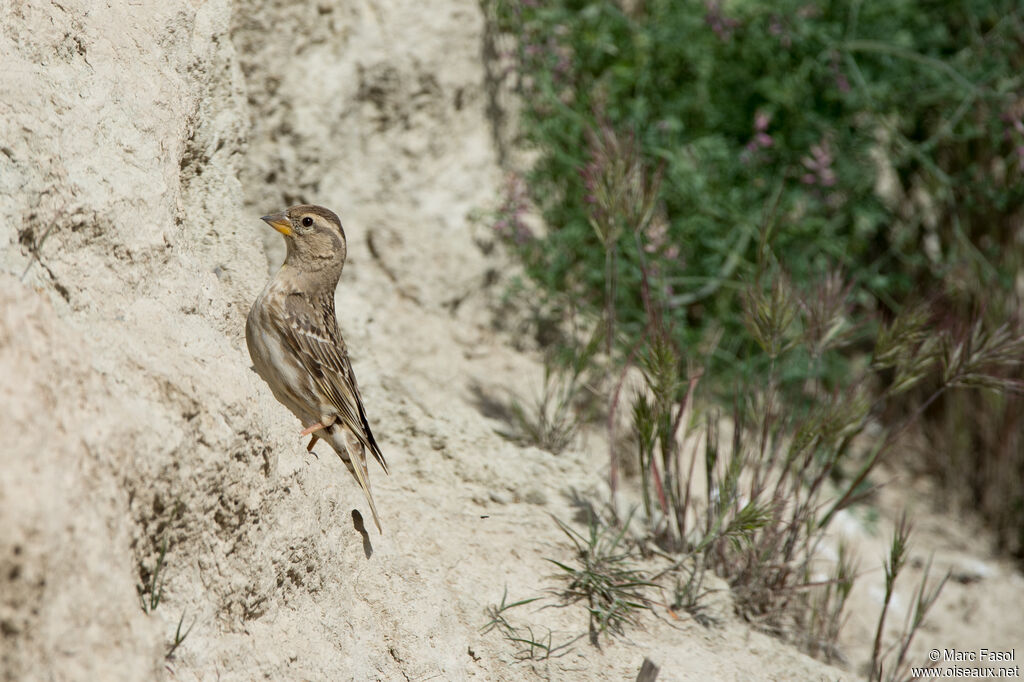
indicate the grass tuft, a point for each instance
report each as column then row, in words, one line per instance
column 924, row 598
column 552, row 420
column 179, row 637
column 529, row 644
column 152, row 592
column 601, row 575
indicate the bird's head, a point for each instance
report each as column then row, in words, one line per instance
column 314, row 237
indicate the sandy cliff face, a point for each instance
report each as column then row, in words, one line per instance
column 116, row 325
column 138, row 146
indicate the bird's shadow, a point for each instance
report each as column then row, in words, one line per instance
column 357, row 522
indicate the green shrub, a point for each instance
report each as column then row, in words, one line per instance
column 796, row 136
column 882, row 137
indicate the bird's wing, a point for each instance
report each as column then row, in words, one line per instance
column 313, row 332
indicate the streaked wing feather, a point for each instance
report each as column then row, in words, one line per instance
column 324, row 356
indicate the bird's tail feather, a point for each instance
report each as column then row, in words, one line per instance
column 356, row 463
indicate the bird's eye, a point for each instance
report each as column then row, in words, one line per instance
column 307, row 222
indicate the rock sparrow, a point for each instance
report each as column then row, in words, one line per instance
column 295, row 345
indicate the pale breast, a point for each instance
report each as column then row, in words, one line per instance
column 273, row 360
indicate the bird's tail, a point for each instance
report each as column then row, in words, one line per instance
column 344, row 442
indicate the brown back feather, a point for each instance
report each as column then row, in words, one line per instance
column 323, row 354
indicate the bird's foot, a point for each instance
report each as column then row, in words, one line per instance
column 325, row 423
column 312, row 442
column 310, row 429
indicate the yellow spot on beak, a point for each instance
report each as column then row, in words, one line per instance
column 279, row 222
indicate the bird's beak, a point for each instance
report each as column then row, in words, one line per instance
column 280, row 222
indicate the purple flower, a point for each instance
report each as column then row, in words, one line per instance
column 722, row 25
column 509, row 223
column 819, row 165
column 842, row 84
column 655, row 235
column 777, row 29
column 761, row 139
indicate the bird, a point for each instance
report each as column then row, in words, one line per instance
column 296, row 347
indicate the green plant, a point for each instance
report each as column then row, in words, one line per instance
column 529, row 644
column 552, row 420
column 973, row 442
column 772, row 489
column 689, row 593
column 824, row 617
column 603, row 577
column 621, row 200
column 151, row 591
column 746, row 105
column 735, row 124
column 974, row 447
column 179, row 637
column 600, row 574
column 924, row 599
column 787, row 455
column 658, row 415
column 767, row 147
